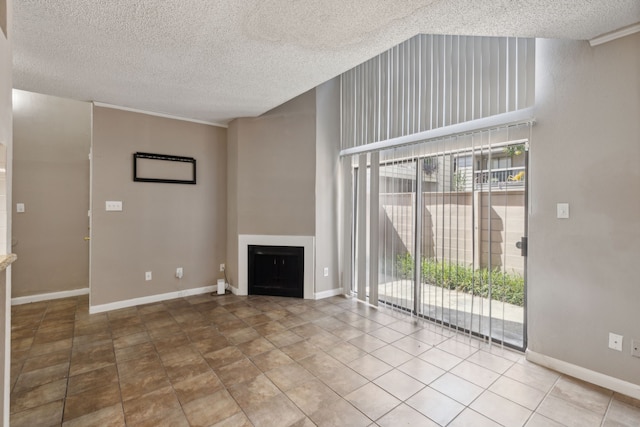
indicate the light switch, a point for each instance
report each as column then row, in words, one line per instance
column 563, row 210
column 113, row 205
column 20, row 207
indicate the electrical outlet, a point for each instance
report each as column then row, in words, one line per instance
column 147, row 275
column 221, row 267
column 326, row 272
column 635, row 348
column 179, row 272
column 113, row 205
column 615, row 341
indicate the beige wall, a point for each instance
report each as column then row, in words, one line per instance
column 6, row 139
column 52, row 139
column 327, row 182
column 585, row 150
column 232, row 203
column 162, row 226
column 276, row 170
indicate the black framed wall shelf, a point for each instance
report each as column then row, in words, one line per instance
column 163, row 168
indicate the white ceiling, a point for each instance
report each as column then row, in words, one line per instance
column 217, row 60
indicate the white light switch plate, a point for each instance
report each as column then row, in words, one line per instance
column 20, row 207
column 563, row 210
column 112, row 205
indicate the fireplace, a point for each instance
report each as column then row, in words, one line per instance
column 276, row 270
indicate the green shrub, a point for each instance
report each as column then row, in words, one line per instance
column 506, row 286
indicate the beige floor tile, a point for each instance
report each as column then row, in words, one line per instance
column 587, row 396
column 300, row 350
column 622, row 414
column 32, row 379
column 404, row 415
column 151, row 407
column 392, row 355
column 49, row 414
column 286, row 377
column 538, row 420
column 478, row 375
column 517, row 392
column 271, row 359
column 254, row 391
column 370, row 367
column 470, row 418
column 367, row 343
column 440, row 358
column 223, row 357
column 490, row 361
column 137, row 385
column 399, row 384
column 97, row 378
column 272, row 327
column 51, row 359
column 372, row 401
column 457, row 348
column 567, row 413
column 91, row 401
column 90, row 358
column 342, row 414
column 533, row 375
column 346, row 352
column 111, row 416
column 278, row 410
column 134, row 367
column 135, row 351
column 255, row 347
column 347, row 332
column 428, row 337
column 501, row 410
column 238, row 419
column 37, row 396
column 457, row 388
column 421, row 370
column 284, row 338
column 435, row 405
column 320, row 364
column 412, row 346
column 196, row 387
column 312, row 396
column 387, row 335
column 343, row 380
column 238, row 372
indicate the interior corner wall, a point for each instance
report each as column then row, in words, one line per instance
column 585, row 151
column 327, row 182
column 272, row 174
column 52, row 139
column 162, row 226
column 232, row 203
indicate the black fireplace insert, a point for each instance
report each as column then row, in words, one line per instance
column 276, row 271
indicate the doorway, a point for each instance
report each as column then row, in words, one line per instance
column 451, row 233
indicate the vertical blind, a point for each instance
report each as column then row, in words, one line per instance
column 432, row 81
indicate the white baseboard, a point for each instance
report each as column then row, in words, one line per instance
column 49, row 296
column 328, row 294
column 150, row 299
column 593, row 377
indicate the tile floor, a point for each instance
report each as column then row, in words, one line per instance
column 266, row 361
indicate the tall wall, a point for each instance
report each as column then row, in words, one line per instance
column 52, row 139
column 162, row 226
column 327, row 183
column 585, row 151
column 6, row 140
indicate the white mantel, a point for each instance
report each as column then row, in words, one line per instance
column 307, row 242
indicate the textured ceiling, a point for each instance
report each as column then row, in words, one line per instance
column 217, row 60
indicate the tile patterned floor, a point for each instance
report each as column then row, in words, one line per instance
column 266, row 361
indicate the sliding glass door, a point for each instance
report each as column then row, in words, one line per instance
column 450, row 231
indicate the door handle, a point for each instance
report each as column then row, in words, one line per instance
column 87, row 239
column 522, row 245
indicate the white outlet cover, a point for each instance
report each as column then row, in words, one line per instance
column 147, row 275
column 562, row 210
column 113, row 205
column 615, row 341
column 326, row 272
column 19, row 207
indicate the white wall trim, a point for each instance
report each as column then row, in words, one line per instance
column 307, row 242
column 593, row 377
column 150, row 299
column 49, row 296
column 328, row 294
column 152, row 113
column 613, row 35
